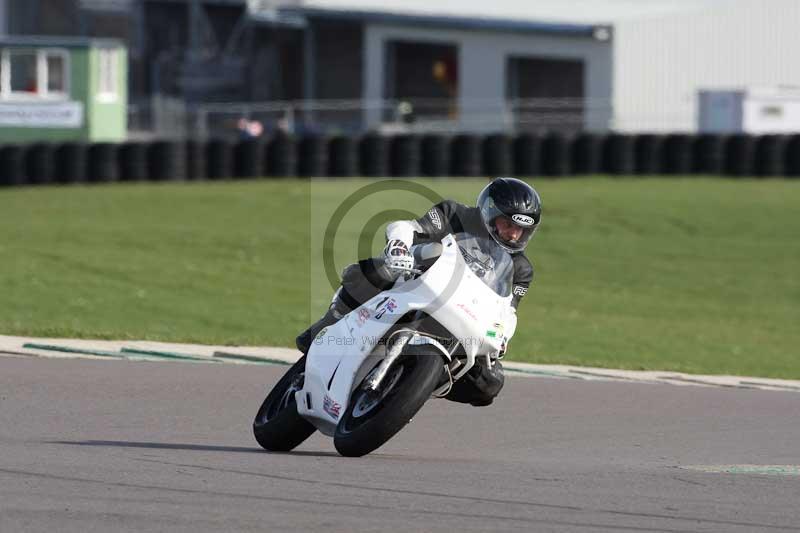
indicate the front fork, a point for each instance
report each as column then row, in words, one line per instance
column 396, row 342
column 395, row 348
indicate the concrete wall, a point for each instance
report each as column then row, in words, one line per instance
column 482, row 64
column 661, row 63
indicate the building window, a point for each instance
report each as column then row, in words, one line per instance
column 424, row 78
column 546, row 93
column 22, row 66
column 108, row 89
column 34, row 74
column 56, row 73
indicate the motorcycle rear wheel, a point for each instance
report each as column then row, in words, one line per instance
column 277, row 426
column 373, row 417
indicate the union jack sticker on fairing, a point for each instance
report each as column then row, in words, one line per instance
column 331, row 407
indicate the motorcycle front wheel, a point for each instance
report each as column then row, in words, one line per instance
column 278, row 427
column 373, row 417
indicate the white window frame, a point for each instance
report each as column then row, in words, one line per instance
column 42, row 92
column 64, row 55
column 105, row 94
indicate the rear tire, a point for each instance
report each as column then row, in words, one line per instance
column 278, row 427
column 372, row 418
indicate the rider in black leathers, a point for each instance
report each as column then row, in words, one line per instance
column 508, row 210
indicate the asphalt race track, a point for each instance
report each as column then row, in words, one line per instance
column 148, row 446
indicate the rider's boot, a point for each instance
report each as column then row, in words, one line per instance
column 480, row 385
column 335, row 312
column 360, row 282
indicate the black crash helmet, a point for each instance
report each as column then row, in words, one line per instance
column 515, row 201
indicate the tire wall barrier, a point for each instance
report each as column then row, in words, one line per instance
column 709, row 154
column 740, row 155
column 465, row 156
column 248, row 159
column 40, row 163
column 312, row 156
column 133, row 162
column 167, row 161
column 497, row 156
column 792, row 151
column 71, row 163
column 587, row 153
column 647, row 156
column 678, row 154
column 556, row 155
column 342, row 157
column 619, row 157
column 219, row 159
column 12, row 165
column 374, row 155
column 527, row 155
column 435, row 155
column 195, row 160
column 102, row 163
column 770, row 155
column 281, row 156
column 404, row 156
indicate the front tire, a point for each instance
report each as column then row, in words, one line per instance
column 278, row 427
column 373, row 417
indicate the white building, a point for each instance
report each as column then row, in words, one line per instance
column 482, row 65
column 635, row 65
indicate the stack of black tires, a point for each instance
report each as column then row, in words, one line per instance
column 372, row 155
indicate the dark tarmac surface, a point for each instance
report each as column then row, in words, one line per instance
column 123, row 446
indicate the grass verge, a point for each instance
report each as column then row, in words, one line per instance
column 686, row 274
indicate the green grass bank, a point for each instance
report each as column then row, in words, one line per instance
column 685, row 274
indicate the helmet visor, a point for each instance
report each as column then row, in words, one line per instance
column 511, row 233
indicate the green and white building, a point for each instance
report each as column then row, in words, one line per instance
column 62, row 89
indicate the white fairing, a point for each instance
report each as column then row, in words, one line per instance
column 342, row 354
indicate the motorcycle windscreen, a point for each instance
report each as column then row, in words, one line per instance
column 488, row 261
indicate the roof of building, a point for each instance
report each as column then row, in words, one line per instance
column 38, row 41
column 542, row 12
column 452, row 21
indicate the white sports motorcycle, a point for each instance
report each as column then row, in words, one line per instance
column 368, row 374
